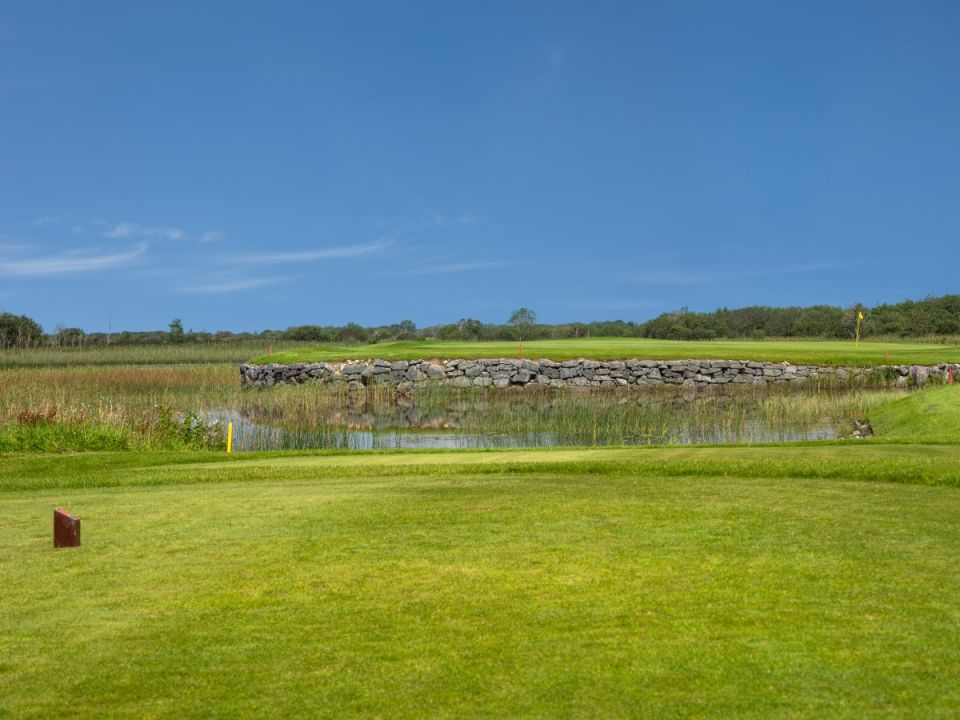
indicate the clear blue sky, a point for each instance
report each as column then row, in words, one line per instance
column 254, row 165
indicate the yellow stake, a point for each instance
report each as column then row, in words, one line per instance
column 229, row 437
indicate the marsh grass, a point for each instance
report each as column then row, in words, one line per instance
column 171, row 354
column 97, row 408
column 323, row 417
column 161, row 430
column 129, row 402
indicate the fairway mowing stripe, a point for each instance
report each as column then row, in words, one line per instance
column 599, row 455
column 925, row 465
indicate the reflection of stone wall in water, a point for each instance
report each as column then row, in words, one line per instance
column 505, row 372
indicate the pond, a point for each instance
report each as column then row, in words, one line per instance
column 463, row 418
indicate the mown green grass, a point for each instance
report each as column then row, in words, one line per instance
column 933, row 464
column 789, row 581
column 689, row 582
column 933, row 414
column 797, row 352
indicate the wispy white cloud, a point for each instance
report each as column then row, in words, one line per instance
column 330, row 253
column 453, row 267
column 133, row 230
column 234, row 285
column 11, row 245
column 211, row 236
column 66, row 263
column 46, row 220
column 121, row 230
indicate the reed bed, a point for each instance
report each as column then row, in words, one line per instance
column 97, row 408
column 302, row 418
column 170, row 354
column 147, row 404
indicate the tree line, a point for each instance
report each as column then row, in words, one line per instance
column 930, row 317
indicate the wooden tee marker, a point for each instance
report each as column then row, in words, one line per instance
column 66, row 529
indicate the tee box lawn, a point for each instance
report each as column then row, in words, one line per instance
column 815, row 580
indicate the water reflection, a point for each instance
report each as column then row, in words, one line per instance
column 465, row 419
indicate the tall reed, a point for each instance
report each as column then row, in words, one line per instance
column 132, row 398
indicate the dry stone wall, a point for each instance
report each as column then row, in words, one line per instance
column 507, row 372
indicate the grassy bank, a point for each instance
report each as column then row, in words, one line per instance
column 933, row 415
column 713, row 582
column 797, row 352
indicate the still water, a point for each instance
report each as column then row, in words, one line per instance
column 463, row 419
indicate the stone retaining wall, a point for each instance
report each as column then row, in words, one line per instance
column 501, row 373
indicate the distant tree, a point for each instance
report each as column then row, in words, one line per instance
column 380, row 334
column 176, row 331
column 522, row 317
column 450, row 331
column 353, row 333
column 469, row 329
column 69, row 337
column 304, row 332
column 406, row 330
column 19, row 331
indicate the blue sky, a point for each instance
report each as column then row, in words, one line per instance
column 254, row 165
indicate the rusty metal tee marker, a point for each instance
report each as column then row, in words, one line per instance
column 66, row 529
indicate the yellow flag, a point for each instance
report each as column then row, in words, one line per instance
column 860, row 315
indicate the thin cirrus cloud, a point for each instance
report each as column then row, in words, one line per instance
column 228, row 286
column 67, row 263
column 330, row 253
column 7, row 245
column 133, row 230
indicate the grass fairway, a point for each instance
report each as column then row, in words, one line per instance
column 797, row 352
column 816, row 581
